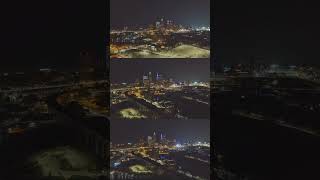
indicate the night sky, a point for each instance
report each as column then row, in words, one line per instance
column 124, row 131
column 128, row 70
column 38, row 34
column 273, row 32
column 142, row 12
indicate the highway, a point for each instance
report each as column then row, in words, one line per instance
column 46, row 87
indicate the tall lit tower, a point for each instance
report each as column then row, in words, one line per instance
column 158, row 24
column 149, row 81
column 149, row 140
column 162, row 21
column 154, row 138
column 145, row 79
column 150, row 77
column 158, row 77
column 164, row 138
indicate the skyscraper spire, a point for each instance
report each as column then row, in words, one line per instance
column 154, row 137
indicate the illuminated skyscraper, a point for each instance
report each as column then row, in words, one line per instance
column 149, row 140
column 154, row 137
column 158, row 24
column 159, row 77
column 162, row 20
column 164, row 140
column 145, row 80
column 150, row 77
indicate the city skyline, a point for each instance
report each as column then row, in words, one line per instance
column 162, row 149
column 185, row 12
column 160, row 29
column 154, row 22
column 183, row 131
column 178, row 69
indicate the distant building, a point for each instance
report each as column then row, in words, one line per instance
column 159, row 77
column 149, row 140
column 163, row 138
column 154, row 138
column 158, row 24
column 150, row 77
column 169, row 22
column 145, row 80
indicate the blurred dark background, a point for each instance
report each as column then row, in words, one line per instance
column 41, row 34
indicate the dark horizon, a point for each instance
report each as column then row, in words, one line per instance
column 51, row 35
column 143, row 12
column 275, row 33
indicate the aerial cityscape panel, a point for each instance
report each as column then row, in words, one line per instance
column 265, row 90
column 160, row 119
column 162, row 149
column 54, row 124
column 170, row 29
column 54, row 92
column 160, row 89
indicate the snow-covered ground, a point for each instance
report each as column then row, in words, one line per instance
column 64, row 161
column 183, row 51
